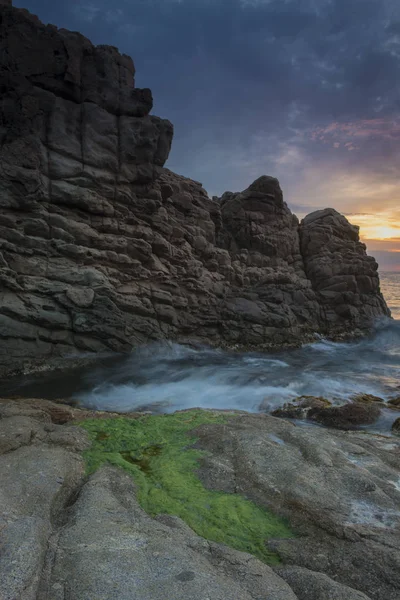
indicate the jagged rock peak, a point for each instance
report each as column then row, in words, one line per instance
column 267, row 185
column 329, row 217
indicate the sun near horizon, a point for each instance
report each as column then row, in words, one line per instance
column 381, row 234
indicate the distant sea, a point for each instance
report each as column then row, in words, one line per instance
column 390, row 286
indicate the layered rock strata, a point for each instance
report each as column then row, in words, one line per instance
column 101, row 248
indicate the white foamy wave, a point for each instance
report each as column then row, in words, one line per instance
column 168, row 377
column 172, row 377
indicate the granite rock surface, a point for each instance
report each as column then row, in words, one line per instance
column 66, row 535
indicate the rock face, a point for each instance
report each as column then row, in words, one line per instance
column 343, row 276
column 64, row 535
column 101, row 248
column 340, row 490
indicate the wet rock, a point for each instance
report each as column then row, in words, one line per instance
column 103, row 249
column 348, row 416
column 394, row 402
column 300, row 408
column 366, row 398
column 396, row 426
column 53, row 412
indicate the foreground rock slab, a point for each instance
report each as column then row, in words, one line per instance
column 66, row 536
column 40, row 471
column 112, row 549
column 339, row 490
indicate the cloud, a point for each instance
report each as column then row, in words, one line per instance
column 114, row 16
column 86, row 12
column 387, row 261
column 361, row 130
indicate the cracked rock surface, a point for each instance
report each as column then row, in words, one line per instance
column 101, row 248
column 63, row 535
column 340, row 491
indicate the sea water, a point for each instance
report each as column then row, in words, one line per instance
column 168, row 377
column 390, row 286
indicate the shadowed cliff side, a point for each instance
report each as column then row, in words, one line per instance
column 101, row 248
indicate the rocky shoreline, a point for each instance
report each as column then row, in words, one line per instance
column 74, row 483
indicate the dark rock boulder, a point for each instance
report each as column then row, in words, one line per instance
column 364, row 411
column 300, row 408
column 394, row 402
column 367, row 398
column 348, row 416
column 101, row 248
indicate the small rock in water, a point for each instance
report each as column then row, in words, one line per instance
column 320, row 410
column 366, row 398
column 396, row 426
column 300, row 408
column 394, row 402
column 348, row 416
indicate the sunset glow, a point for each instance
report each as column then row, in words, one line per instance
column 372, row 229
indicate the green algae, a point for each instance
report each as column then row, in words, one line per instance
column 158, row 453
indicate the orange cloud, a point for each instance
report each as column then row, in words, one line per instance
column 377, row 226
column 391, row 245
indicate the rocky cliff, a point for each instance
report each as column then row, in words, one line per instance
column 101, row 248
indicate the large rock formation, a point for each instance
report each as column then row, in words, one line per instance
column 101, row 248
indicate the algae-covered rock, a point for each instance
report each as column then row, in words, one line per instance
column 67, row 534
column 159, row 455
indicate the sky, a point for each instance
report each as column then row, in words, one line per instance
column 305, row 90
